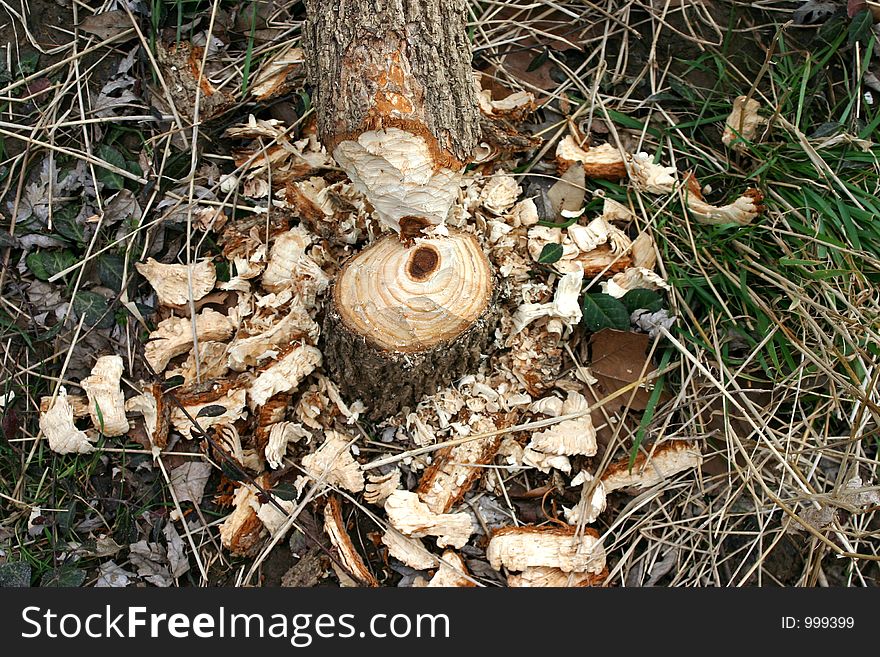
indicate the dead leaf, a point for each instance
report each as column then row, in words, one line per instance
column 568, row 193
column 176, row 550
column 618, row 360
column 151, row 561
column 188, row 481
column 112, row 575
column 108, row 24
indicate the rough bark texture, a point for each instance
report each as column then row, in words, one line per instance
column 393, row 63
column 387, row 382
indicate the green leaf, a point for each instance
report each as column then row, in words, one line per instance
column 860, row 27
column 642, row 298
column 110, row 155
column 45, row 264
column 550, row 253
column 15, row 574
column 94, row 308
column 65, row 223
column 63, row 577
column 603, row 311
column 110, row 268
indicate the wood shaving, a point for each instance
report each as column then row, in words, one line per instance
column 412, row 517
column 519, row 548
column 174, row 336
column 57, row 425
column 665, row 461
column 742, row 211
column 213, row 364
column 289, row 267
column 543, row 576
column 452, row 573
column 380, row 486
column 742, row 124
column 586, row 511
column 455, row 469
column 500, row 193
column 265, row 334
column 221, row 395
column 650, row 177
column 280, row 436
column 602, row 162
column 242, row 530
column 334, row 464
column 156, row 413
column 409, row 551
column 284, row 374
column 106, row 401
column 172, row 282
column 633, row 278
column 334, row 527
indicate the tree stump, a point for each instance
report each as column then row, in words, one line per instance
column 405, row 320
column 396, row 106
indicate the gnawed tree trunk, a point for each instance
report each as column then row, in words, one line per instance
column 397, row 109
column 395, row 100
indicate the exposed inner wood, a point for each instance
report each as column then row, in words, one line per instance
column 409, row 300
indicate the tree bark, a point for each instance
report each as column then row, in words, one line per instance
column 393, row 63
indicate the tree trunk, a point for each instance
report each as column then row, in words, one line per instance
column 395, row 98
column 396, row 106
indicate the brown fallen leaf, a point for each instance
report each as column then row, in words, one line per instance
column 107, row 25
column 618, row 360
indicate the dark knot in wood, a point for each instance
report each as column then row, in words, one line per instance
column 411, row 228
column 423, row 263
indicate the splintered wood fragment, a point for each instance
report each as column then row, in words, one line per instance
column 380, row 486
column 284, row 374
column 519, row 548
column 405, row 321
column 742, row 124
column 172, row 282
column 79, row 405
column 156, row 412
column 106, row 401
column 452, row 573
column 412, row 517
column 455, row 469
column 650, row 177
column 334, row 464
column 410, row 551
column 334, row 526
column 242, row 530
column 273, row 78
column 395, row 100
column 603, row 162
column 665, row 460
column 218, row 403
column 742, row 211
column 174, row 336
column 56, row 424
column 546, row 577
